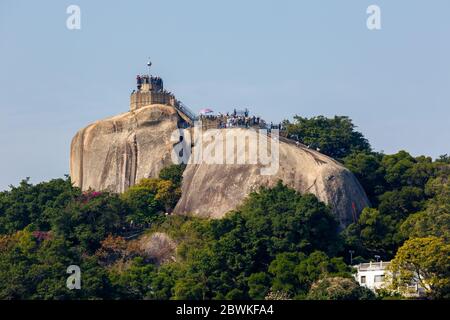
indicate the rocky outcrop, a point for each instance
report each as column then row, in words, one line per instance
column 158, row 247
column 211, row 190
column 115, row 153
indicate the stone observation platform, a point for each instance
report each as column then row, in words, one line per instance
column 150, row 90
column 115, row 153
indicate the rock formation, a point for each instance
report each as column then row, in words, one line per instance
column 158, row 247
column 211, row 190
column 115, row 153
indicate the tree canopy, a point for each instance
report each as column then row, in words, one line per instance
column 335, row 137
column 425, row 260
column 278, row 244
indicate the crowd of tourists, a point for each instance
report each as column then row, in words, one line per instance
column 240, row 119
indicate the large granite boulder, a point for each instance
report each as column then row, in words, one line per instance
column 211, row 190
column 115, row 153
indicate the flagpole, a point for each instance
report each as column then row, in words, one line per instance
column 149, row 64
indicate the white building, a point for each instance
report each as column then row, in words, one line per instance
column 372, row 275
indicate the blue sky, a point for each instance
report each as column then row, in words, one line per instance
column 279, row 58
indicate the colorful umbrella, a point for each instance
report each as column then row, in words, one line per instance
column 206, row 110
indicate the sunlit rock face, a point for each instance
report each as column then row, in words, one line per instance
column 211, row 190
column 116, row 153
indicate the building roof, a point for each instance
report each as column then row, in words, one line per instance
column 372, row 266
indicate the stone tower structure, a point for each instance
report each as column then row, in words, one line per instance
column 150, row 90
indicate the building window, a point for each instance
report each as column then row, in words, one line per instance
column 379, row 278
column 363, row 279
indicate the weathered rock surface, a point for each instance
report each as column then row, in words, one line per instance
column 158, row 247
column 115, row 153
column 211, row 190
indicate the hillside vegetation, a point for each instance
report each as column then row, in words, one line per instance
column 277, row 245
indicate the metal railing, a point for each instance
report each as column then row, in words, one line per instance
column 184, row 109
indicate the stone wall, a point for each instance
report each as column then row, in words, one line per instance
column 142, row 99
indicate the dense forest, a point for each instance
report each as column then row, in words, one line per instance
column 277, row 245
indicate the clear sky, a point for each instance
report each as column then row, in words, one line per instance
column 279, row 58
